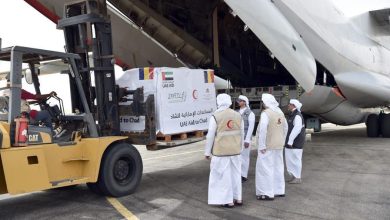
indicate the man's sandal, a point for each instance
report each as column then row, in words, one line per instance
column 264, row 197
column 280, row 195
column 238, row 203
column 227, row 206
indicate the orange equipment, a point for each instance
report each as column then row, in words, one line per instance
column 21, row 130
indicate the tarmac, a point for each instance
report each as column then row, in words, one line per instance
column 345, row 176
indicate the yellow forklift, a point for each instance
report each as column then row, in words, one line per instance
column 91, row 148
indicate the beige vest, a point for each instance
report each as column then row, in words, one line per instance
column 227, row 140
column 275, row 132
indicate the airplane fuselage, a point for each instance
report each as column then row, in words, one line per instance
column 352, row 54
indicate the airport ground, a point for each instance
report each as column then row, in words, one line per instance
column 345, row 176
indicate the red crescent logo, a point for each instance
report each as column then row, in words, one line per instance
column 230, row 124
column 195, row 94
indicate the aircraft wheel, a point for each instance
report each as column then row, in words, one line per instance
column 318, row 128
column 372, row 125
column 120, row 170
column 384, row 123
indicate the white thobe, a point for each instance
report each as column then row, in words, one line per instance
column 294, row 162
column 225, row 172
column 269, row 166
column 294, row 156
column 245, row 154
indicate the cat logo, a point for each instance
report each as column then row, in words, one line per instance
column 33, row 137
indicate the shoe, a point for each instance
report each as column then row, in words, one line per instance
column 289, row 178
column 58, row 135
column 264, row 197
column 243, row 179
column 57, row 130
column 295, row 181
column 238, row 203
column 280, row 195
column 227, row 206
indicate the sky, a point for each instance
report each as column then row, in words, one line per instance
column 356, row 7
column 22, row 25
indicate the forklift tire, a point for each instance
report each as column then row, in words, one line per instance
column 384, row 124
column 372, row 124
column 120, row 170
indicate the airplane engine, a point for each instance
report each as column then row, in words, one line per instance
column 330, row 105
column 365, row 88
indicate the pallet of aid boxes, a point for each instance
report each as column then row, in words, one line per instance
column 185, row 99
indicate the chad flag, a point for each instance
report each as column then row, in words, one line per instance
column 209, row 76
column 146, row 73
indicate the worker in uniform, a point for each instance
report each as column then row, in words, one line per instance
column 43, row 115
column 249, row 124
column 294, row 142
column 271, row 135
column 34, row 115
column 224, row 146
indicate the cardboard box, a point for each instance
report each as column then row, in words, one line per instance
column 185, row 98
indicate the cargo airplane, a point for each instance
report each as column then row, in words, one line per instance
column 342, row 62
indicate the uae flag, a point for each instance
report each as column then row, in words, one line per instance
column 167, row 75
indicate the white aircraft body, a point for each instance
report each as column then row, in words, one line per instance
column 355, row 50
column 301, row 34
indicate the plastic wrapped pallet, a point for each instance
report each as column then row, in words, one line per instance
column 185, row 98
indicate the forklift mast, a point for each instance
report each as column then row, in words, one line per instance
column 87, row 31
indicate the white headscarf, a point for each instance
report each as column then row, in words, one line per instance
column 296, row 103
column 244, row 98
column 270, row 101
column 224, row 101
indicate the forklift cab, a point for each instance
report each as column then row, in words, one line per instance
column 44, row 162
column 38, row 60
column 93, row 152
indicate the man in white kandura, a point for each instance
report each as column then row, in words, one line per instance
column 294, row 142
column 224, row 143
column 249, row 124
column 271, row 133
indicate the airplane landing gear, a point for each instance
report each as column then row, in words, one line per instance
column 384, row 125
column 372, row 124
column 378, row 125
